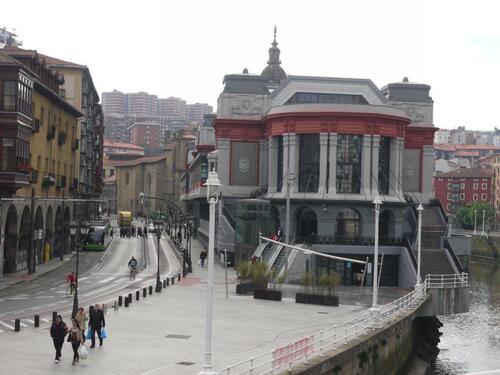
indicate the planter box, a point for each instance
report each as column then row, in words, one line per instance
column 271, row 295
column 245, row 288
column 316, row 299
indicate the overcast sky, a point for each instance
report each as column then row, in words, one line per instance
column 184, row 48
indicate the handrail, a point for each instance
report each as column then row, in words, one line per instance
column 408, row 247
column 449, row 247
column 229, row 217
column 315, row 344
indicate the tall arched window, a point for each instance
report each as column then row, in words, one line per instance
column 348, row 224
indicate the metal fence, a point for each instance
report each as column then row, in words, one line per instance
column 315, row 344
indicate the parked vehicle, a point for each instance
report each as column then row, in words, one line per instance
column 124, row 218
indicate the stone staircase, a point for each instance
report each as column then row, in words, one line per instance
column 435, row 262
column 433, row 228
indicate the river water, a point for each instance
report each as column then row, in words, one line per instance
column 471, row 341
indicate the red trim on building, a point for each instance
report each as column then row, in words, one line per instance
column 417, row 137
column 239, row 129
column 339, row 122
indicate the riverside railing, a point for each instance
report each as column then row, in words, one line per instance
column 315, row 344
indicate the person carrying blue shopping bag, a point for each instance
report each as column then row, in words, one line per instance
column 96, row 324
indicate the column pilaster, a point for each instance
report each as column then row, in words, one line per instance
column 323, row 161
column 332, row 179
column 375, row 160
column 294, row 161
column 365, row 165
column 272, row 164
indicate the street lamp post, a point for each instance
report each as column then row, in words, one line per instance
column 419, row 245
column 377, row 202
column 475, row 221
column 158, row 224
column 84, row 229
column 483, row 233
column 212, row 185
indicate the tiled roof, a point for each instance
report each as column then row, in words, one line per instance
column 144, row 160
column 16, row 51
column 113, row 144
column 467, row 153
column 468, row 172
column 58, row 62
column 7, row 60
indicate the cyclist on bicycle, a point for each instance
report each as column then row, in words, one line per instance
column 132, row 264
column 71, row 280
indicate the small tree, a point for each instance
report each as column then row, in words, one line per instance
column 329, row 282
column 244, row 271
column 465, row 215
column 259, row 274
column 306, row 280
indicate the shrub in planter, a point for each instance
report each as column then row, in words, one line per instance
column 260, row 277
column 327, row 282
column 245, row 286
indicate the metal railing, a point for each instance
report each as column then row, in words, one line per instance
column 459, row 280
column 315, row 344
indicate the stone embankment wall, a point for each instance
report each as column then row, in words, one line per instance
column 388, row 350
column 486, row 248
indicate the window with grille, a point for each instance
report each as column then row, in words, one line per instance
column 349, row 163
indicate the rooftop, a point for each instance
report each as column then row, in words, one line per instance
column 468, row 173
column 113, row 144
column 144, row 160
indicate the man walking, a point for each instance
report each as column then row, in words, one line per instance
column 96, row 324
column 58, row 331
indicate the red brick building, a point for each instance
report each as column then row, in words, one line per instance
column 146, row 135
column 458, row 188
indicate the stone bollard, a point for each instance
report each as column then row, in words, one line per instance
column 126, row 301
column 173, row 280
column 37, row 321
column 168, row 281
column 179, row 277
column 144, row 292
column 130, row 298
column 164, row 284
column 120, row 300
column 115, row 305
column 137, row 294
column 17, row 325
column 150, row 290
column 54, row 315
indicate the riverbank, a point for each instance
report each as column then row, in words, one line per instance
column 471, row 341
column 486, row 248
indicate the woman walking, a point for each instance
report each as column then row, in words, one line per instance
column 76, row 339
column 82, row 319
column 58, row 331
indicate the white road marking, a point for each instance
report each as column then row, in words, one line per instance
column 45, row 297
column 44, row 320
column 6, row 325
column 2, row 331
column 83, row 278
column 31, row 321
column 106, row 280
column 16, row 298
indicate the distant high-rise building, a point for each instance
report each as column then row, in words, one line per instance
column 114, row 102
column 172, row 108
column 197, row 110
column 8, row 39
column 142, row 104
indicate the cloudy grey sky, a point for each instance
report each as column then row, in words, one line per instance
column 184, row 48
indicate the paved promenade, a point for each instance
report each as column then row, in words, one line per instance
column 138, row 342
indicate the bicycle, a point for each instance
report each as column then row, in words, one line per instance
column 133, row 273
column 70, row 288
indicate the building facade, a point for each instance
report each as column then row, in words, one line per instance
column 43, row 150
column 332, row 145
column 144, row 175
column 496, row 183
column 464, row 186
column 147, row 135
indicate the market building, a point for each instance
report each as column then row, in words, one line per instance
column 332, row 145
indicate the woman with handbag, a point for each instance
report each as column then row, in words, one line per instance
column 76, row 339
column 82, row 319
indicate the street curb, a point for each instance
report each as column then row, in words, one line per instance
column 37, row 275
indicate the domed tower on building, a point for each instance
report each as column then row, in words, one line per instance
column 273, row 72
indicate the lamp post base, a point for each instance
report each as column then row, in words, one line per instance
column 207, row 371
